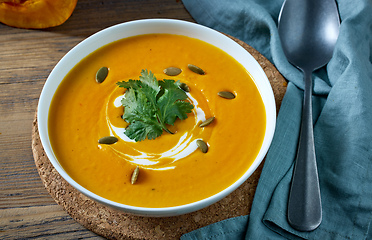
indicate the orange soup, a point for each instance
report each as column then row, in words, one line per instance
column 172, row 170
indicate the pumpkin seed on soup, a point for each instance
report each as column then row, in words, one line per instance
column 172, row 71
column 202, row 145
column 227, row 95
column 108, row 140
column 196, row 69
column 184, row 87
column 206, row 122
column 134, row 177
column 101, row 74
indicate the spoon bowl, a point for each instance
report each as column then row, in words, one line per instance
column 308, row 30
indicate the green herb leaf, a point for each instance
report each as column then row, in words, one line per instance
column 150, row 104
column 170, row 103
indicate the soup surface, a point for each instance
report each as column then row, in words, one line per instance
column 173, row 171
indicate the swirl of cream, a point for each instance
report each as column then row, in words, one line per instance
column 185, row 146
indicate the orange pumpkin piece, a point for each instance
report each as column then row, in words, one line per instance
column 35, row 13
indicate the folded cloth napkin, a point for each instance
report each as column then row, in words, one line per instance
column 342, row 109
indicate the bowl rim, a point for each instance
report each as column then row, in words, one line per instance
column 147, row 26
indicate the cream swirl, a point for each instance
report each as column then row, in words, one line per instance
column 185, row 146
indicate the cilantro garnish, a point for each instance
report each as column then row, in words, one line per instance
column 151, row 104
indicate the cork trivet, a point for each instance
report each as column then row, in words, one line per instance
column 115, row 224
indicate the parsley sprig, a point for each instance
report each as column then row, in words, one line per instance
column 150, row 105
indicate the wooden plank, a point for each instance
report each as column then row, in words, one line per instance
column 48, row 222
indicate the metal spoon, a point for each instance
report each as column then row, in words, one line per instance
column 308, row 30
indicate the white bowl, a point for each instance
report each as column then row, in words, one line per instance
column 140, row 27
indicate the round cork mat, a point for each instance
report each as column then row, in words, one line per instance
column 115, row 224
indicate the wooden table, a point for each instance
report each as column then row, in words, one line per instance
column 26, row 59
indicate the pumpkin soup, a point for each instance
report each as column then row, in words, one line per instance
column 187, row 164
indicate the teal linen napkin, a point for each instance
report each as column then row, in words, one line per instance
column 342, row 107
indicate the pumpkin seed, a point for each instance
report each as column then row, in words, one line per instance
column 108, row 140
column 172, row 71
column 227, row 95
column 184, row 87
column 202, row 145
column 101, row 74
column 134, row 177
column 196, row 69
column 206, row 122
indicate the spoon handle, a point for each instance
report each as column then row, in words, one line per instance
column 304, row 204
